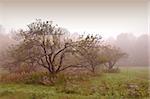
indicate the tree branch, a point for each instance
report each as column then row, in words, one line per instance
column 58, row 53
column 42, row 64
column 45, row 54
column 61, row 61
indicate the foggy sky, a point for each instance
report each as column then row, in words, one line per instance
column 109, row 17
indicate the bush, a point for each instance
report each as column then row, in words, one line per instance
column 28, row 78
column 14, row 77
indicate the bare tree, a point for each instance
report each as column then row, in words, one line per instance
column 112, row 55
column 88, row 49
column 43, row 44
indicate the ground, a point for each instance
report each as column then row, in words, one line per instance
column 130, row 83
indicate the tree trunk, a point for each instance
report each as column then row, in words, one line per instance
column 93, row 69
column 52, row 77
column 111, row 65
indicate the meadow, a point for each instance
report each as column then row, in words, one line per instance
column 129, row 83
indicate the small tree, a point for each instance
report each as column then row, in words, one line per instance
column 88, row 49
column 112, row 55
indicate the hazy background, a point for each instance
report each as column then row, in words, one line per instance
column 121, row 22
column 108, row 17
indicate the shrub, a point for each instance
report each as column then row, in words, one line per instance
column 28, row 78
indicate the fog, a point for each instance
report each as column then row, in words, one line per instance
column 5, row 40
column 123, row 23
column 108, row 17
column 135, row 46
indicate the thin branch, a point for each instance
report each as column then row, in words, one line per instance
column 61, row 61
column 45, row 52
column 42, row 64
column 58, row 53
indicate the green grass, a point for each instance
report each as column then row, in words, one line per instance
column 105, row 86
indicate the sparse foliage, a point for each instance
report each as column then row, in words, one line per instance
column 88, row 49
column 112, row 55
column 43, row 45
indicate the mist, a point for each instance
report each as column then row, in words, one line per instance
column 74, row 49
column 108, row 17
column 136, row 47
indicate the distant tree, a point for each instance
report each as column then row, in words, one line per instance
column 135, row 47
column 112, row 55
column 141, row 53
column 5, row 42
column 126, row 42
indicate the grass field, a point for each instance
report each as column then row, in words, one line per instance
column 130, row 83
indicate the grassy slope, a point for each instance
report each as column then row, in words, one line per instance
column 110, row 85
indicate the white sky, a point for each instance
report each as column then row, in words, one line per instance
column 106, row 17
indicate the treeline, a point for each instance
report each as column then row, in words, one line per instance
column 137, row 49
